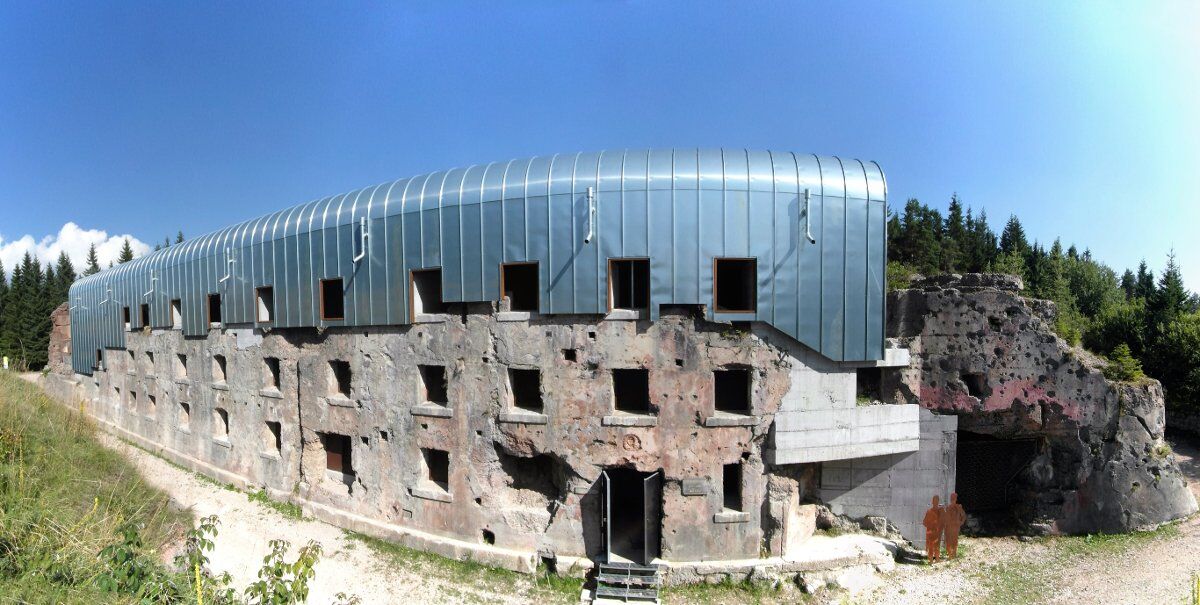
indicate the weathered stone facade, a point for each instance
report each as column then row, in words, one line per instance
column 520, row 483
column 981, row 351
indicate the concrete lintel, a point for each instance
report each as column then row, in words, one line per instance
column 430, row 318
column 629, row 420
column 271, row 393
column 222, row 442
column 272, row 456
column 892, row 358
column 183, row 382
column 515, row 315
column 623, row 315
column 522, row 418
column 841, row 452
column 720, row 419
column 432, row 410
column 341, row 401
column 220, row 386
column 429, row 493
column 731, row 516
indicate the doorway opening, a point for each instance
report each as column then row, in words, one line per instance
column 987, row 478
column 632, row 515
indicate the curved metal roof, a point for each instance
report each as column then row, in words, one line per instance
column 679, row 207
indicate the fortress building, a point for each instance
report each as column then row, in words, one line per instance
column 647, row 357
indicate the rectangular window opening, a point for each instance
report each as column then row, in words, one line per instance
column 185, row 414
column 731, row 390
column 340, row 377
column 144, row 315
column 735, row 285
column 177, row 314
column 731, row 486
column 631, row 390
column 272, row 373
column 149, row 363
column 433, row 384
column 426, row 292
column 526, row 389
column 153, row 402
column 337, row 453
column 273, row 437
column 437, row 467
column 221, row 423
column 218, row 369
column 264, row 297
column 214, row 309
column 99, row 359
column 629, row 284
column 125, row 317
column 180, row 365
column 519, row 284
column 333, row 299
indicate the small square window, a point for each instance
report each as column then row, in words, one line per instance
column 526, row 389
column 519, row 284
column 333, row 299
column 433, row 384
column 631, row 390
column 731, row 486
column 221, row 423
column 340, row 377
column 177, row 314
column 731, row 390
column 437, row 467
column 144, row 315
column 426, row 292
column 629, row 284
column 337, row 453
column 272, row 372
column 264, row 297
column 735, row 285
column 214, row 309
column 273, row 437
column 218, row 369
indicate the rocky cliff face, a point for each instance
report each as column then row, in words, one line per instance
column 1087, row 453
column 59, row 359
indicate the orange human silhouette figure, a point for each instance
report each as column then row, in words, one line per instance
column 953, row 518
column 933, row 531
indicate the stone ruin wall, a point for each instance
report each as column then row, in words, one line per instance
column 1101, row 462
column 527, row 479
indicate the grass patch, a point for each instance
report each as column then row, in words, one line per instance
column 542, row 587
column 287, row 509
column 1105, row 544
column 64, row 498
column 730, row 591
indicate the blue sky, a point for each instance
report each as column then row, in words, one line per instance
column 145, row 118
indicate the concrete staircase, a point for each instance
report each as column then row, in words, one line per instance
column 626, row 583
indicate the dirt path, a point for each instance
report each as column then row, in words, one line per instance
column 1153, row 568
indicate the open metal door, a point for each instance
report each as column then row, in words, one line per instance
column 605, row 511
column 652, row 522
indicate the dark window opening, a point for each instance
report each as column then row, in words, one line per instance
column 264, row 297
column 731, row 390
column 153, row 402
column 519, row 284
column 870, row 384
column 337, row 453
column 341, row 377
column 433, row 384
column 185, row 414
column 133, row 396
column 221, row 423
column 426, row 291
column 125, row 317
column 149, row 362
column 144, row 315
column 99, row 358
column 731, row 486
column 272, row 375
column 735, row 285
column 180, row 365
column 274, row 436
column 219, row 372
column 437, row 467
column 489, row 537
column 214, row 309
column 526, row 387
column 333, row 299
column 569, row 354
column 976, row 385
column 176, row 314
column 629, row 284
column 631, row 390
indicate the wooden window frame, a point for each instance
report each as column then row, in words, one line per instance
column 717, row 259
column 609, row 285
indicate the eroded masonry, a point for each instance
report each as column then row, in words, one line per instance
column 672, row 358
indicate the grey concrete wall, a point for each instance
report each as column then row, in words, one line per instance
column 899, row 486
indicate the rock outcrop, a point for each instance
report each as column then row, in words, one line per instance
column 1096, row 461
column 59, row 353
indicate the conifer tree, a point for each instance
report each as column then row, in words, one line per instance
column 93, row 262
column 1128, row 284
column 1145, row 282
column 179, row 237
column 1012, row 239
column 126, row 254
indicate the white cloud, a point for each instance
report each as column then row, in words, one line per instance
column 71, row 239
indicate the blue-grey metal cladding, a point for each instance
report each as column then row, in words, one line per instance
column 680, row 208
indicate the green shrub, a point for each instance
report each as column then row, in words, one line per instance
column 1122, row 365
